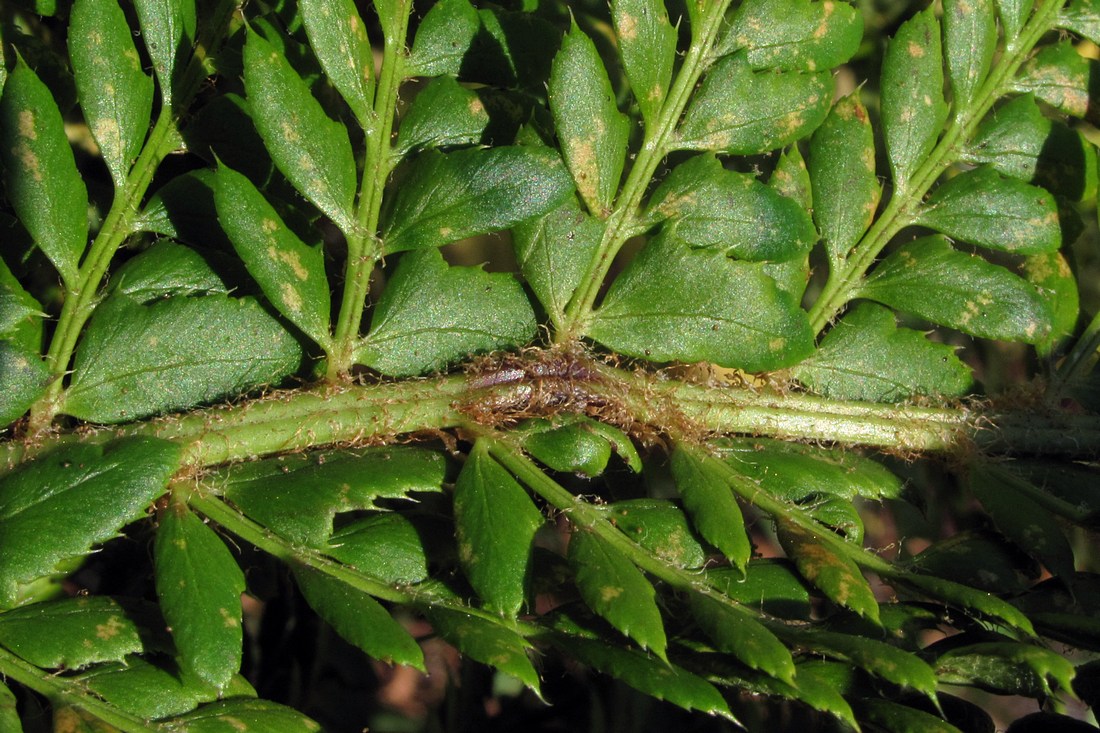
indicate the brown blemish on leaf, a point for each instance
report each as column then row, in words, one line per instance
column 27, row 127
column 583, row 159
column 109, row 630
column 477, row 109
column 291, row 260
column 291, row 298
column 915, row 49
column 228, row 619
column 628, row 28
column 609, row 593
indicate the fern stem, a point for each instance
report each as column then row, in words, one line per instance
column 844, row 281
column 364, row 244
column 655, row 146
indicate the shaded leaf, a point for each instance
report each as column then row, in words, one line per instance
column 913, row 109
column 1020, row 141
column 115, row 94
column 298, row 496
column 615, row 589
column 661, row 527
column 431, row 314
column 9, row 715
column 930, row 279
column 1007, row 668
column 443, row 38
column 451, row 196
column 168, row 30
column 890, row 663
column 389, row 546
column 444, row 113
column 591, row 130
column 647, row 45
column 781, row 34
column 973, row 601
column 1081, row 17
column 979, row 560
column 731, row 212
column 735, row 631
column 553, row 252
column 56, row 506
column 835, row 575
column 842, row 175
column 358, row 618
column 700, row 315
column 791, row 178
column 970, row 40
column 710, row 502
column 290, row 272
column 339, row 39
column 898, row 718
column 25, row 378
column 769, row 585
column 199, row 585
column 140, row 360
column 495, row 525
column 76, row 632
column 19, row 311
column 573, row 447
column 487, row 642
column 40, row 176
column 1064, row 79
column 310, row 149
column 165, row 270
column 742, row 112
column 155, row 689
column 866, row 356
column 983, row 207
column 233, row 716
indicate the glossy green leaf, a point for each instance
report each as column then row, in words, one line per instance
column 512, row 50
column 116, row 96
column 979, row 560
column 973, row 601
column 969, row 40
column 298, row 496
column 1081, row 17
column 710, row 502
column 700, row 315
column 842, row 175
column 791, row 178
column 1020, row 141
column 290, row 272
column 199, row 586
column 985, row 208
column 795, row 471
column 866, row 356
column 553, row 252
column 1016, row 514
column 309, row 148
column 897, row 718
column 168, row 269
column 495, row 525
column 1007, row 668
column 573, row 447
column 615, row 589
column 743, row 112
column 810, row 688
column 18, row 310
column 76, row 632
column 9, row 715
column 735, row 631
column 1064, row 79
column 236, row 715
column 154, row 689
column 897, row 666
column 183, row 209
column 931, row 279
column 913, row 109
column 139, row 360
column 359, row 619
column 168, row 30
column 647, row 46
column 25, row 378
column 40, row 176
column 443, row 39
column 837, row 576
column 647, row 674
column 487, row 642
column 389, row 546
column 592, row 132
column 339, row 39
column 731, row 212
column 661, row 527
column 444, row 114
column 1013, row 14
column 837, row 514
column 452, row 196
column 58, row 505
column 769, row 585
column 781, row 34
column 431, row 314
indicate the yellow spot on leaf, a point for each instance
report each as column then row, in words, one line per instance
column 110, row 629
column 915, row 49
column 291, row 298
column 609, row 593
column 228, row 619
column 628, row 28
